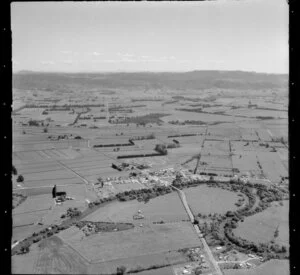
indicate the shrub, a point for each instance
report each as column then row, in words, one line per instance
column 161, row 148
column 20, row 178
column 121, row 270
column 14, row 170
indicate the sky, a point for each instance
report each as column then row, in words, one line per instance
column 247, row 35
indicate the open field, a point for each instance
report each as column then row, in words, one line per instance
column 139, row 263
column 203, row 199
column 50, row 256
column 167, row 208
column 149, row 239
column 261, row 227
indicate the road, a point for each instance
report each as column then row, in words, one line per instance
column 192, row 218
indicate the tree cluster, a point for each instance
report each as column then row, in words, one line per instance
column 161, row 148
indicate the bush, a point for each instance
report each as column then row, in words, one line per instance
column 161, row 148
column 20, row 178
column 121, row 270
column 14, row 170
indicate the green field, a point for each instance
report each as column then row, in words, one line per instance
column 167, row 208
column 261, row 227
column 205, row 200
column 149, row 239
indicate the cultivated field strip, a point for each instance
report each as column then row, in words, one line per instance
column 41, row 164
column 145, row 261
column 36, row 146
column 245, row 161
column 131, row 243
column 88, row 160
column 51, row 181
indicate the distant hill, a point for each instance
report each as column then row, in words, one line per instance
column 175, row 80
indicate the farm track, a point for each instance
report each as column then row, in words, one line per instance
column 202, row 146
column 192, row 218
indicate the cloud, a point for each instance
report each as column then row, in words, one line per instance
column 184, row 61
column 97, row 53
column 68, row 62
column 66, row 52
column 47, row 62
column 127, row 59
column 147, row 58
column 110, row 61
column 125, row 54
column 69, row 52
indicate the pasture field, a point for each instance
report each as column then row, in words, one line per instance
column 160, row 271
column 48, row 257
column 219, row 164
column 149, row 239
column 42, row 145
column 263, row 134
column 167, row 208
column 139, row 263
column 245, row 162
column 207, row 118
column 22, row 232
column 193, row 140
column 121, row 187
column 32, row 204
column 46, row 173
column 156, row 163
column 277, row 130
column 252, row 113
column 230, row 131
column 24, row 264
column 182, row 154
column 272, row 267
column 205, row 200
column 272, row 166
column 215, row 109
column 260, row 227
column 216, row 147
column 249, row 134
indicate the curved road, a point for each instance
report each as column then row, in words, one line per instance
column 192, row 218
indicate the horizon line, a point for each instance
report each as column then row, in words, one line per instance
column 144, row 71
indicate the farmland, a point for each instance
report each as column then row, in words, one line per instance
column 206, row 200
column 98, row 143
column 167, row 208
column 262, row 226
column 131, row 243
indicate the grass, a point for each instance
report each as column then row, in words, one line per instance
column 205, row 200
column 18, row 199
column 167, row 208
column 144, row 240
column 261, row 227
column 56, row 256
column 144, row 119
